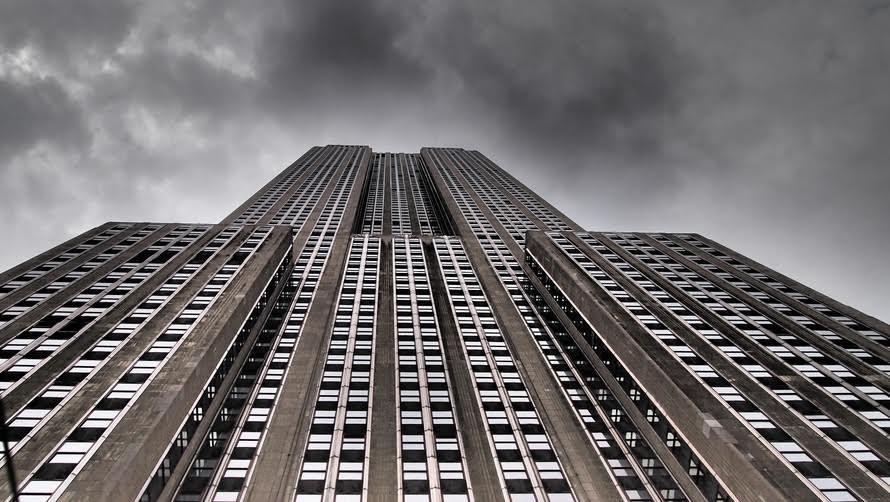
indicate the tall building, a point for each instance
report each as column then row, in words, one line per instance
column 423, row 327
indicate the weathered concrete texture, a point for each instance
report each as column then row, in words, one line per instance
column 481, row 463
column 387, row 196
column 278, row 462
column 409, row 193
column 43, row 442
column 446, row 219
column 589, row 479
column 382, row 468
column 518, row 253
column 837, row 461
column 133, row 448
column 671, row 464
column 174, row 485
column 813, row 393
column 748, row 469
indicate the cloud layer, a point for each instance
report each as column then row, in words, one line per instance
column 760, row 124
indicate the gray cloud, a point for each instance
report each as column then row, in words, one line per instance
column 573, row 74
column 37, row 110
column 760, row 124
column 65, row 32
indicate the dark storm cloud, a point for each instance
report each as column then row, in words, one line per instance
column 761, row 124
column 312, row 44
column 570, row 74
column 564, row 73
column 64, row 32
column 37, row 110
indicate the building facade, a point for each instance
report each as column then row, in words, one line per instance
column 423, row 327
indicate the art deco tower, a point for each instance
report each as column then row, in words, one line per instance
column 423, row 327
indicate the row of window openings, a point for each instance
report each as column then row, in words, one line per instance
column 503, row 397
column 789, row 291
column 777, row 305
column 228, row 411
column 60, row 259
column 237, row 461
column 32, row 348
column 345, row 386
column 540, row 211
column 61, row 466
column 25, row 423
column 727, row 392
column 147, row 256
column 373, row 220
column 800, row 358
column 422, row 377
column 305, row 198
column 28, row 303
column 269, row 198
column 421, row 188
column 702, row 477
column 510, row 272
column 336, row 203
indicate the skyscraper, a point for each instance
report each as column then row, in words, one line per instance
column 423, row 327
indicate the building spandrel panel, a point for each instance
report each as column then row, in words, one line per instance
column 425, row 327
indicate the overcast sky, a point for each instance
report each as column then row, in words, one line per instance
column 762, row 124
